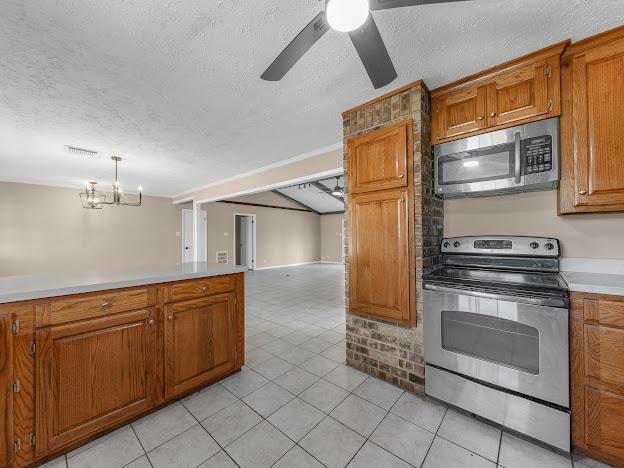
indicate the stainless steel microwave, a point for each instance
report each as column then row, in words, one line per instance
column 516, row 159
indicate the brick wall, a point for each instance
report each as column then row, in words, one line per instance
column 386, row 350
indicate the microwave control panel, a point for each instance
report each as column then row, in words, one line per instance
column 538, row 154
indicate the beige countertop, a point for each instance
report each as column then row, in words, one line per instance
column 22, row 288
column 599, row 276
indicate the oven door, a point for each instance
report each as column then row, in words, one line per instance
column 489, row 162
column 519, row 347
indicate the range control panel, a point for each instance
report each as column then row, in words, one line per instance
column 538, row 154
column 502, row 245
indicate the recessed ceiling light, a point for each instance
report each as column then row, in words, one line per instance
column 80, row 151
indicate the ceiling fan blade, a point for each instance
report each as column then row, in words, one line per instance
column 297, row 48
column 373, row 53
column 387, row 4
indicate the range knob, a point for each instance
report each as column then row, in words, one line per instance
column 549, row 246
column 447, row 244
column 456, row 244
column 534, row 245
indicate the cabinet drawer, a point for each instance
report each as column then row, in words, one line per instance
column 87, row 306
column 604, row 312
column 198, row 288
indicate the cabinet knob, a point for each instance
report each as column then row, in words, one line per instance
column 105, row 305
column 151, row 321
column 481, row 117
column 583, row 192
column 204, row 288
column 401, row 176
column 493, row 114
column 171, row 317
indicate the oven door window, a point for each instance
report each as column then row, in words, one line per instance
column 493, row 339
column 493, row 163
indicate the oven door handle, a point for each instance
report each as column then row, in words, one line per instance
column 517, row 164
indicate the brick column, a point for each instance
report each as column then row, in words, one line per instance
column 386, row 350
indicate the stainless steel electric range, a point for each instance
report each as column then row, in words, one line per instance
column 496, row 333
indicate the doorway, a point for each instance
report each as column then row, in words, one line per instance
column 244, row 247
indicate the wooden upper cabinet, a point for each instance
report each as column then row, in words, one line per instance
column 378, row 160
column 592, row 159
column 6, row 393
column 516, row 92
column 379, row 261
column 200, row 341
column 460, row 112
column 520, row 94
column 92, row 375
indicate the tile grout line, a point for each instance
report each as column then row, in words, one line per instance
column 210, row 435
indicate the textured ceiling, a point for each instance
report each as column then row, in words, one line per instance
column 173, row 85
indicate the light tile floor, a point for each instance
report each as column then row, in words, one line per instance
column 296, row 403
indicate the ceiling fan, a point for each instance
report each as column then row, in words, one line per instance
column 353, row 17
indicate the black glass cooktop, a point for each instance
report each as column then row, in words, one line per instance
column 525, row 283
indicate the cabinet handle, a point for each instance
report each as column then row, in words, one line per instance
column 583, row 192
column 171, row 317
column 493, row 114
column 481, row 117
column 151, row 321
column 105, row 305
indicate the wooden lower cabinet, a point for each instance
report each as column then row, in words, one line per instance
column 597, row 377
column 6, row 391
column 85, row 364
column 200, row 341
column 379, row 261
column 93, row 374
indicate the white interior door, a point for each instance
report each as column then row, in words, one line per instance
column 187, row 235
column 202, row 241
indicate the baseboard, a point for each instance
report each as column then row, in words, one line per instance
column 334, row 263
column 286, row 266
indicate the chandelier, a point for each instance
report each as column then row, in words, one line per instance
column 94, row 200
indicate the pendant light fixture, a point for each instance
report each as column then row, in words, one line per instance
column 93, row 200
column 337, row 192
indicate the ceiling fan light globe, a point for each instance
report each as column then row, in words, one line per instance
column 346, row 15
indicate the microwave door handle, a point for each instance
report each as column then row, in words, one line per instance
column 517, row 168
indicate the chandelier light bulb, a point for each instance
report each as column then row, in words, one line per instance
column 140, row 188
column 346, row 15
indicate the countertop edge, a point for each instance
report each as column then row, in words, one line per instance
column 107, row 285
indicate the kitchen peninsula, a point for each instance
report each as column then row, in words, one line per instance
column 83, row 353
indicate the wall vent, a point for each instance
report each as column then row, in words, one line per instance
column 81, row 151
column 222, row 257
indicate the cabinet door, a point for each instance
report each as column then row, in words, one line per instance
column 200, row 342
column 520, row 94
column 459, row 112
column 598, row 120
column 6, row 391
column 604, row 348
column 378, row 160
column 92, row 375
column 379, row 257
column 604, row 420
